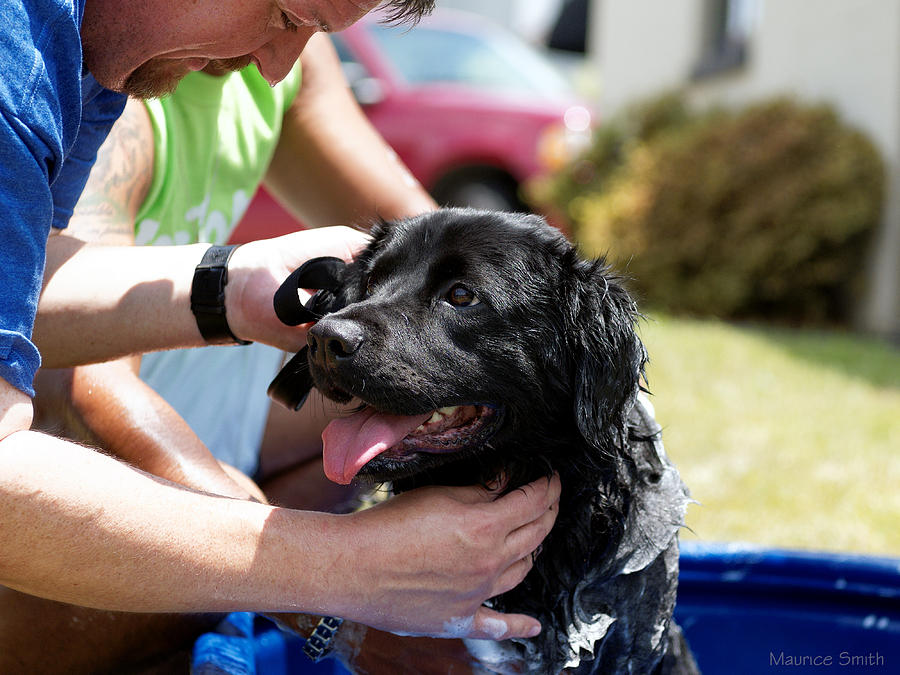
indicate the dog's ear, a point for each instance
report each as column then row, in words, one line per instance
column 293, row 382
column 607, row 357
column 323, row 274
column 335, row 281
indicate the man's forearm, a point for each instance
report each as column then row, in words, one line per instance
column 331, row 165
column 97, row 533
column 103, row 302
column 107, row 405
column 81, row 527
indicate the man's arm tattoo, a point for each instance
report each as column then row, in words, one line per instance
column 118, row 183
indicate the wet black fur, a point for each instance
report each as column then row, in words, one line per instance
column 552, row 345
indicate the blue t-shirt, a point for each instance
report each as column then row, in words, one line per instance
column 53, row 118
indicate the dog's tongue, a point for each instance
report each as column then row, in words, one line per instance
column 351, row 442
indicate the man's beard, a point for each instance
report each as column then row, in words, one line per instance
column 160, row 77
column 154, row 79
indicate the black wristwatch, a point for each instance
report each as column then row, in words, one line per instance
column 319, row 644
column 208, row 297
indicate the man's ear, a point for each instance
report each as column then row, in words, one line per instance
column 607, row 356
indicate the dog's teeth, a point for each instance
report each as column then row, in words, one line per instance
column 437, row 416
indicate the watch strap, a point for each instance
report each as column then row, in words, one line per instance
column 318, row 644
column 208, row 296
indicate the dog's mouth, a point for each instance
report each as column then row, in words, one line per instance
column 351, row 442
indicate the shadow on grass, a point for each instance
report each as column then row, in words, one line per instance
column 870, row 359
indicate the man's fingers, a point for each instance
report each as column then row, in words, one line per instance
column 513, row 575
column 529, row 502
column 521, row 505
column 492, row 625
column 484, row 551
column 524, row 540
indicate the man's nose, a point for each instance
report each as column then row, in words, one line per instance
column 276, row 57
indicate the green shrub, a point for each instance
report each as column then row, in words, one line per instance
column 762, row 212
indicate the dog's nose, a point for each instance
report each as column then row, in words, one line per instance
column 334, row 340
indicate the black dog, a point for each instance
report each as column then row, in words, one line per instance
column 481, row 345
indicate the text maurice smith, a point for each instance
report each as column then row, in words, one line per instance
column 842, row 660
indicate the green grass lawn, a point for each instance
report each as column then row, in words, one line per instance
column 786, row 437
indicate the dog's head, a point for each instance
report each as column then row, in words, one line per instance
column 479, row 346
column 472, row 338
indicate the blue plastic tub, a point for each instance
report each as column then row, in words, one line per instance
column 754, row 610
column 744, row 610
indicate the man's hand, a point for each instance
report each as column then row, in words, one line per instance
column 258, row 268
column 425, row 561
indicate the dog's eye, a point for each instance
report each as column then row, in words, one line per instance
column 460, row 296
column 370, row 286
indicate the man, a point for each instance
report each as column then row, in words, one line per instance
column 183, row 169
column 80, row 527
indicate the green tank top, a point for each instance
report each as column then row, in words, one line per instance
column 214, row 138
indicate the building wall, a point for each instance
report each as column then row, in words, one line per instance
column 844, row 52
column 643, row 47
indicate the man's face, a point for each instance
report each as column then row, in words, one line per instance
column 149, row 61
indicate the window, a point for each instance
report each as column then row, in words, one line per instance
column 491, row 59
column 729, row 24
